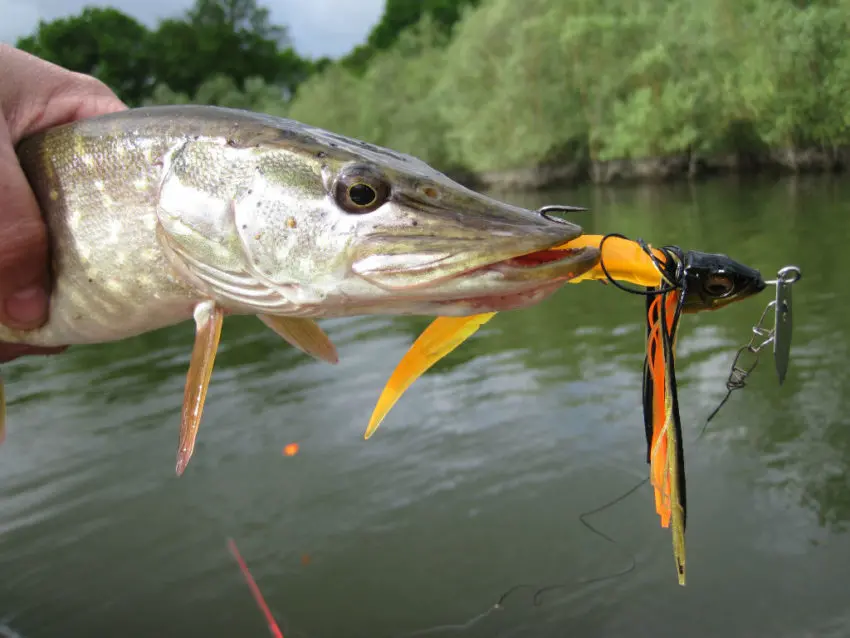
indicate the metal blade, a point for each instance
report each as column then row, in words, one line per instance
column 784, row 320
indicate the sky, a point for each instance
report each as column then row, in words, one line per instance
column 316, row 27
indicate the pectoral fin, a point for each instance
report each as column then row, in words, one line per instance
column 304, row 334
column 208, row 321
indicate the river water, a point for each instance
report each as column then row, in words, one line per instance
column 474, row 483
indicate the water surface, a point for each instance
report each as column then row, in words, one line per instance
column 476, row 480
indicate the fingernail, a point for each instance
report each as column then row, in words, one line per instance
column 27, row 306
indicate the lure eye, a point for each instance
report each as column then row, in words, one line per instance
column 361, row 190
column 718, row 285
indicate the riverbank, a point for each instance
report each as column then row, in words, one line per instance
column 681, row 166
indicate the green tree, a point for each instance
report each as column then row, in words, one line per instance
column 102, row 42
column 221, row 90
column 233, row 38
column 404, row 116
column 237, row 16
column 230, row 38
column 401, row 15
column 802, row 66
column 544, row 81
column 498, row 84
column 508, row 90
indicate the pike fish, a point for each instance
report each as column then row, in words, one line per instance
column 160, row 215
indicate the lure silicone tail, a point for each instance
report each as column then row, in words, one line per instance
column 438, row 340
column 665, row 451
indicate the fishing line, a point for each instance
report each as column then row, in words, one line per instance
column 716, row 410
column 675, row 273
column 675, row 280
column 536, row 599
column 497, row 606
column 737, row 375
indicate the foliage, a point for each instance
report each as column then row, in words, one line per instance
column 520, row 85
column 392, row 103
column 499, row 84
column 229, row 38
column 105, row 43
column 233, row 38
column 222, row 90
column 528, row 81
column 400, row 15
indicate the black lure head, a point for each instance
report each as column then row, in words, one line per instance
column 713, row 281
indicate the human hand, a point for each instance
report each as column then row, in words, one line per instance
column 34, row 95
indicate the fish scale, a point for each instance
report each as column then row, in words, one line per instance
column 106, row 261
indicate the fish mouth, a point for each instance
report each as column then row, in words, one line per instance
column 545, row 265
column 510, row 279
column 526, row 279
column 410, row 271
column 491, row 256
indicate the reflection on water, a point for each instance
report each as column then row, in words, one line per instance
column 475, row 481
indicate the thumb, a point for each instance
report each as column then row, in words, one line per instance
column 24, row 255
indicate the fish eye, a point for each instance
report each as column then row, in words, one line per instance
column 362, row 194
column 360, row 190
column 718, row 285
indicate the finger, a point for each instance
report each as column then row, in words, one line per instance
column 71, row 97
column 98, row 99
column 54, row 97
column 37, row 94
column 23, row 259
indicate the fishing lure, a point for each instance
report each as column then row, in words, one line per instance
column 674, row 282
column 665, row 451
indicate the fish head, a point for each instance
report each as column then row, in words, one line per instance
column 326, row 225
column 715, row 280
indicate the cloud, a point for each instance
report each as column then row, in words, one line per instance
column 317, row 27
